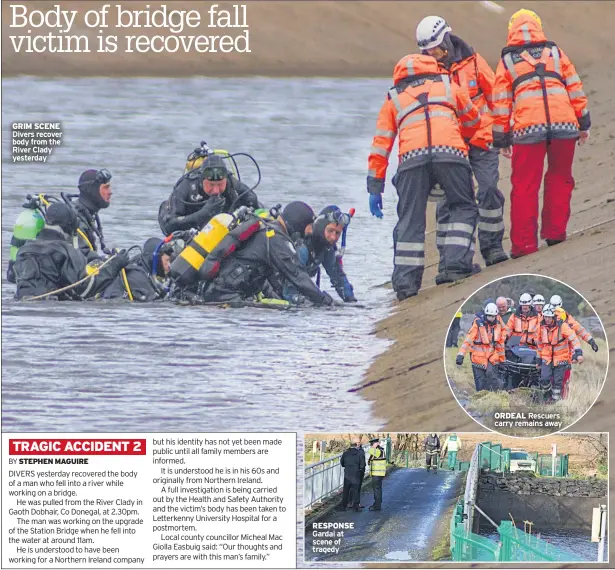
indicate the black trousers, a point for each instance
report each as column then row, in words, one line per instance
column 413, row 187
column 350, row 493
column 431, row 459
column 453, row 333
column 490, row 203
column 377, row 486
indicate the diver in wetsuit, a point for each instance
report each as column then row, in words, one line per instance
column 201, row 194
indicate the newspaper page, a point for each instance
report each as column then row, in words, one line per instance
column 305, row 284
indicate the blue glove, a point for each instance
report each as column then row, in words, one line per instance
column 375, row 205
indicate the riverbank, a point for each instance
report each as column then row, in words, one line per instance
column 407, row 384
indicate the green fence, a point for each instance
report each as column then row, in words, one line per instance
column 494, row 457
column 544, row 465
column 519, row 546
column 514, row 545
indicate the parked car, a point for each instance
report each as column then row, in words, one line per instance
column 521, row 461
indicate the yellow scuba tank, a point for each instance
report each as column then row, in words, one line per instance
column 185, row 268
column 198, row 155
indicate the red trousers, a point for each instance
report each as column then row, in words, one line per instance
column 527, row 168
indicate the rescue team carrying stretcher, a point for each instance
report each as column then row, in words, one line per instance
column 220, row 245
column 452, row 115
column 534, row 346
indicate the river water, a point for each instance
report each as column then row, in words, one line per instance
column 129, row 367
column 570, row 540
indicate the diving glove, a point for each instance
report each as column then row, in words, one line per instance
column 375, row 205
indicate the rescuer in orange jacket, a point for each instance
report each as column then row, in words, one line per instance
column 485, row 341
column 472, row 73
column 558, row 346
column 427, row 110
column 579, row 330
column 523, row 323
column 537, row 85
column 575, row 325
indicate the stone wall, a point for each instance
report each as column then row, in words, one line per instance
column 549, row 503
column 527, row 484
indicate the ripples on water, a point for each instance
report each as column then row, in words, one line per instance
column 158, row 367
column 574, row 541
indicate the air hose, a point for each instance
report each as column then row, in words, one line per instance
column 94, row 273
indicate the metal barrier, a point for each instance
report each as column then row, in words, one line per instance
column 324, row 478
column 519, row 546
column 471, row 489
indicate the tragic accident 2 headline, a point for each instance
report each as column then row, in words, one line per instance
column 56, row 30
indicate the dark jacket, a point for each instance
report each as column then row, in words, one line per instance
column 89, row 224
column 353, row 462
column 457, row 50
column 314, row 255
column 245, row 272
column 432, row 443
column 51, row 262
column 189, row 207
column 143, row 286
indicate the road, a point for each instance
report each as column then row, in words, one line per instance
column 414, row 503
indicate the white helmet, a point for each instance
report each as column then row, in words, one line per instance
column 430, row 32
column 538, row 300
column 491, row 310
column 556, row 301
column 548, row 310
column 525, row 299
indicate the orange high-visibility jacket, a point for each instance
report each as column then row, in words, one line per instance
column 523, row 326
column 578, row 328
column 427, row 110
column 558, row 343
column 474, row 75
column 485, row 341
column 537, row 84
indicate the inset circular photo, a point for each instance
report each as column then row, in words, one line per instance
column 526, row 355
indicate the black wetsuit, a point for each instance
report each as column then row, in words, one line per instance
column 189, row 207
column 51, row 262
column 143, row 286
column 268, row 253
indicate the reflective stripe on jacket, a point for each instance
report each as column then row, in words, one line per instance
column 538, row 86
column 485, row 343
column 556, row 343
column 475, row 76
column 578, row 328
column 523, row 326
column 377, row 462
column 428, row 112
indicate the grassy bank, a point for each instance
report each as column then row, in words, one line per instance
column 586, row 383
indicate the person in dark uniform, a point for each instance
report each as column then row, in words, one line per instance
column 378, row 470
column 145, row 274
column 452, row 339
column 353, row 462
column 269, row 252
column 94, row 195
column 319, row 248
column 432, row 451
column 201, row 194
column 51, row 262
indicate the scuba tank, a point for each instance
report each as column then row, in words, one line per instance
column 198, row 155
column 27, row 226
column 185, row 267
